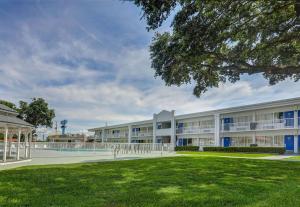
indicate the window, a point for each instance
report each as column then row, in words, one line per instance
column 278, row 141
column 136, row 129
column 116, row 131
column 264, row 140
column 164, row 125
column 241, row 141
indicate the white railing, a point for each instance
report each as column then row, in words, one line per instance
column 287, row 123
column 121, row 135
column 142, row 134
column 195, row 130
column 90, row 146
column 276, row 124
column 12, row 152
column 236, row 127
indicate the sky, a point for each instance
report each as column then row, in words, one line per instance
column 90, row 61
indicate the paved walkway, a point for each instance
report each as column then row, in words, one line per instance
column 47, row 157
column 275, row 157
column 279, row 157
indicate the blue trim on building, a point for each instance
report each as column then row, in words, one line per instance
column 289, row 118
column 180, row 127
column 227, row 122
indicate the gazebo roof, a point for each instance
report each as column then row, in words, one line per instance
column 13, row 120
column 7, row 109
column 10, row 117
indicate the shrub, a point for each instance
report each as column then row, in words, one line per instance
column 186, row 148
column 276, row 150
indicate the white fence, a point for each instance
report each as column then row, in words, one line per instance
column 90, row 146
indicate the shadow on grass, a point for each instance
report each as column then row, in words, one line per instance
column 177, row 181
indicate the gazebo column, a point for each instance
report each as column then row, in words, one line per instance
column 18, row 145
column 9, row 144
column 30, row 141
column 5, row 144
column 25, row 145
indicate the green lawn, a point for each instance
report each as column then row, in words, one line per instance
column 177, row 181
column 230, row 154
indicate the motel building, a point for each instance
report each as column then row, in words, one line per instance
column 269, row 124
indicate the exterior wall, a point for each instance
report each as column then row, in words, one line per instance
column 265, row 126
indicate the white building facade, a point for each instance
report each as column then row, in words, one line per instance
column 270, row 124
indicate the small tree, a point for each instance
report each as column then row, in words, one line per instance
column 37, row 113
column 9, row 104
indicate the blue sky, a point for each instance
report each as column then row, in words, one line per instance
column 90, row 61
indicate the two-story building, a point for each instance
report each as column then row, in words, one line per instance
column 273, row 123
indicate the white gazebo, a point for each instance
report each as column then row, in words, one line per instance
column 12, row 129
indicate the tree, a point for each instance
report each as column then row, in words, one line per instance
column 9, row 104
column 37, row 113
column 216, row 41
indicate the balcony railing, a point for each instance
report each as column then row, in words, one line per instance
column 195, row 130
column 142, row 134
column 276, row 124
column 287, row 123
column 117, row 135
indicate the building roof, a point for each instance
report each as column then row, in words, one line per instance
column 13, row 120
column 256, row 106
column 7, row 109
column 249, row 107
column 145, row 122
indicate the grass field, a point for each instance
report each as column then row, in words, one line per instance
column 177, row 181
column 228, row 154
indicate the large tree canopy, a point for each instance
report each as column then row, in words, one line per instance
column 214, row 41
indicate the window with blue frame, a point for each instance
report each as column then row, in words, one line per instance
column 136, row 129
column 180, row 127
column 227, row 123
column 289, row 118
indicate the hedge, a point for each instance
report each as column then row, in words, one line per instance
column 276, row 150
column 186, row 148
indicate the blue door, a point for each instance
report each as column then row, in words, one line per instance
column 227, row 142
column 289, row 118
column 289, row 142
column 179, row 142
column 184, row 142
column 298, row 143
